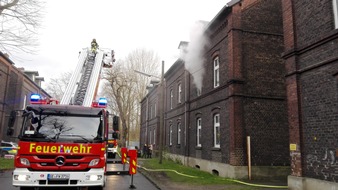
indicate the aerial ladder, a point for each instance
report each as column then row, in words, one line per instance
column 82, row 89
column 83, row 85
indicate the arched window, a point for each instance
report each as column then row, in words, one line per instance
column 171, row 135
column 335, row 13
column 171, row 99
column 199, row 132
column 216, row 72
column 154, row 142
column 217, row 134
column 155, row 109
column 179, row 97
column 179, row 133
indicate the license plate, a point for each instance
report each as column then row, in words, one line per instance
column 58, row 176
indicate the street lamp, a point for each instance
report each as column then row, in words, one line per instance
column 162, row 105
column 146, row 74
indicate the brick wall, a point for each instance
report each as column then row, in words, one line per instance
column 264, row 106
column 177, row 114
column 320, row 120
column 207, row 150
column 4, row 76
column 313, row 19
column 311, row 64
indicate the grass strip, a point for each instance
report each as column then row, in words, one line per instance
column 200, row 177
column 6, row 164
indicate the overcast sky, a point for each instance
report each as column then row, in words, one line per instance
column 123, row 26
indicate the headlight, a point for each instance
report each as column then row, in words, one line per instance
column 94, row 162
column 21, row 177
column 93, row 177
column 25, row 161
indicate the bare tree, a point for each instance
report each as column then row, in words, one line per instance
column 125, row 88
column 57, row 86
column 19, row 22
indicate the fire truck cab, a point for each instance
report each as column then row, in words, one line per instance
column 61, row 145
column 64, row 145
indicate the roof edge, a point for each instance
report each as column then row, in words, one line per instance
column 5, row 55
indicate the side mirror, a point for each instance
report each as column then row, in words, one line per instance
column 115, row 135
column 10, row 131
column 116, row 123
column 11, row 119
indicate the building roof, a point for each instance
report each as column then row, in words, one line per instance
column 31, row 72
column 5, row 55
column 223, row 13
column 40, row 78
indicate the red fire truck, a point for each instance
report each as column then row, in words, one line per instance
column 64, row 145
column 61, row 145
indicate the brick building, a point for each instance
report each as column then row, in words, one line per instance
column 149, row 133
column 16, row 86
column 242, row 94
column 311, row 56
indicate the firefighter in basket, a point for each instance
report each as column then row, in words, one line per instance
column 94, row 46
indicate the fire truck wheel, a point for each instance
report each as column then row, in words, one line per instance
column 95, row 188
column 26, row 188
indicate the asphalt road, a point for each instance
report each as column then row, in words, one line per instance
column 114, row 181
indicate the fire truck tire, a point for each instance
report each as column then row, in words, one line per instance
column 95, row 188
column 111, row 155
column 26, row 188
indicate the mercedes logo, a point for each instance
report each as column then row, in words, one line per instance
column 60, row 161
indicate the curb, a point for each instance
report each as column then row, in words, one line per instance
column 146, row 175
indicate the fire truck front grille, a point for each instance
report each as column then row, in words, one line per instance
column 46, row 156
column 57, row 182
column 54, row 156
column 62, row 169
column 47, row 162
column 74, row 157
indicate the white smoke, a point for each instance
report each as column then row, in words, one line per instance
column 193, row 54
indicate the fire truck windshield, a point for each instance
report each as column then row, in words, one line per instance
column 62, row 128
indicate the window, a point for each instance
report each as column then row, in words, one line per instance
column 24, row 102
column 198, row 91
column 154, row 136
column 150, row 137
column 171, row 135
column 216, row 131
column 171, row 99
column 335, row 12
column 60, row 127
column 216, row 72
column 179, row 93
column 179, row 133
column 199, row 132
column 155, row 109
column 151, row 111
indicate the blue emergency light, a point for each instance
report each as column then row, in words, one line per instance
column 35, row 97
column 103, row 101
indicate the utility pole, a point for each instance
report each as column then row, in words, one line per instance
column 162, row 114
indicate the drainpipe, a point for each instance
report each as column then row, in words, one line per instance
column 249, row 156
